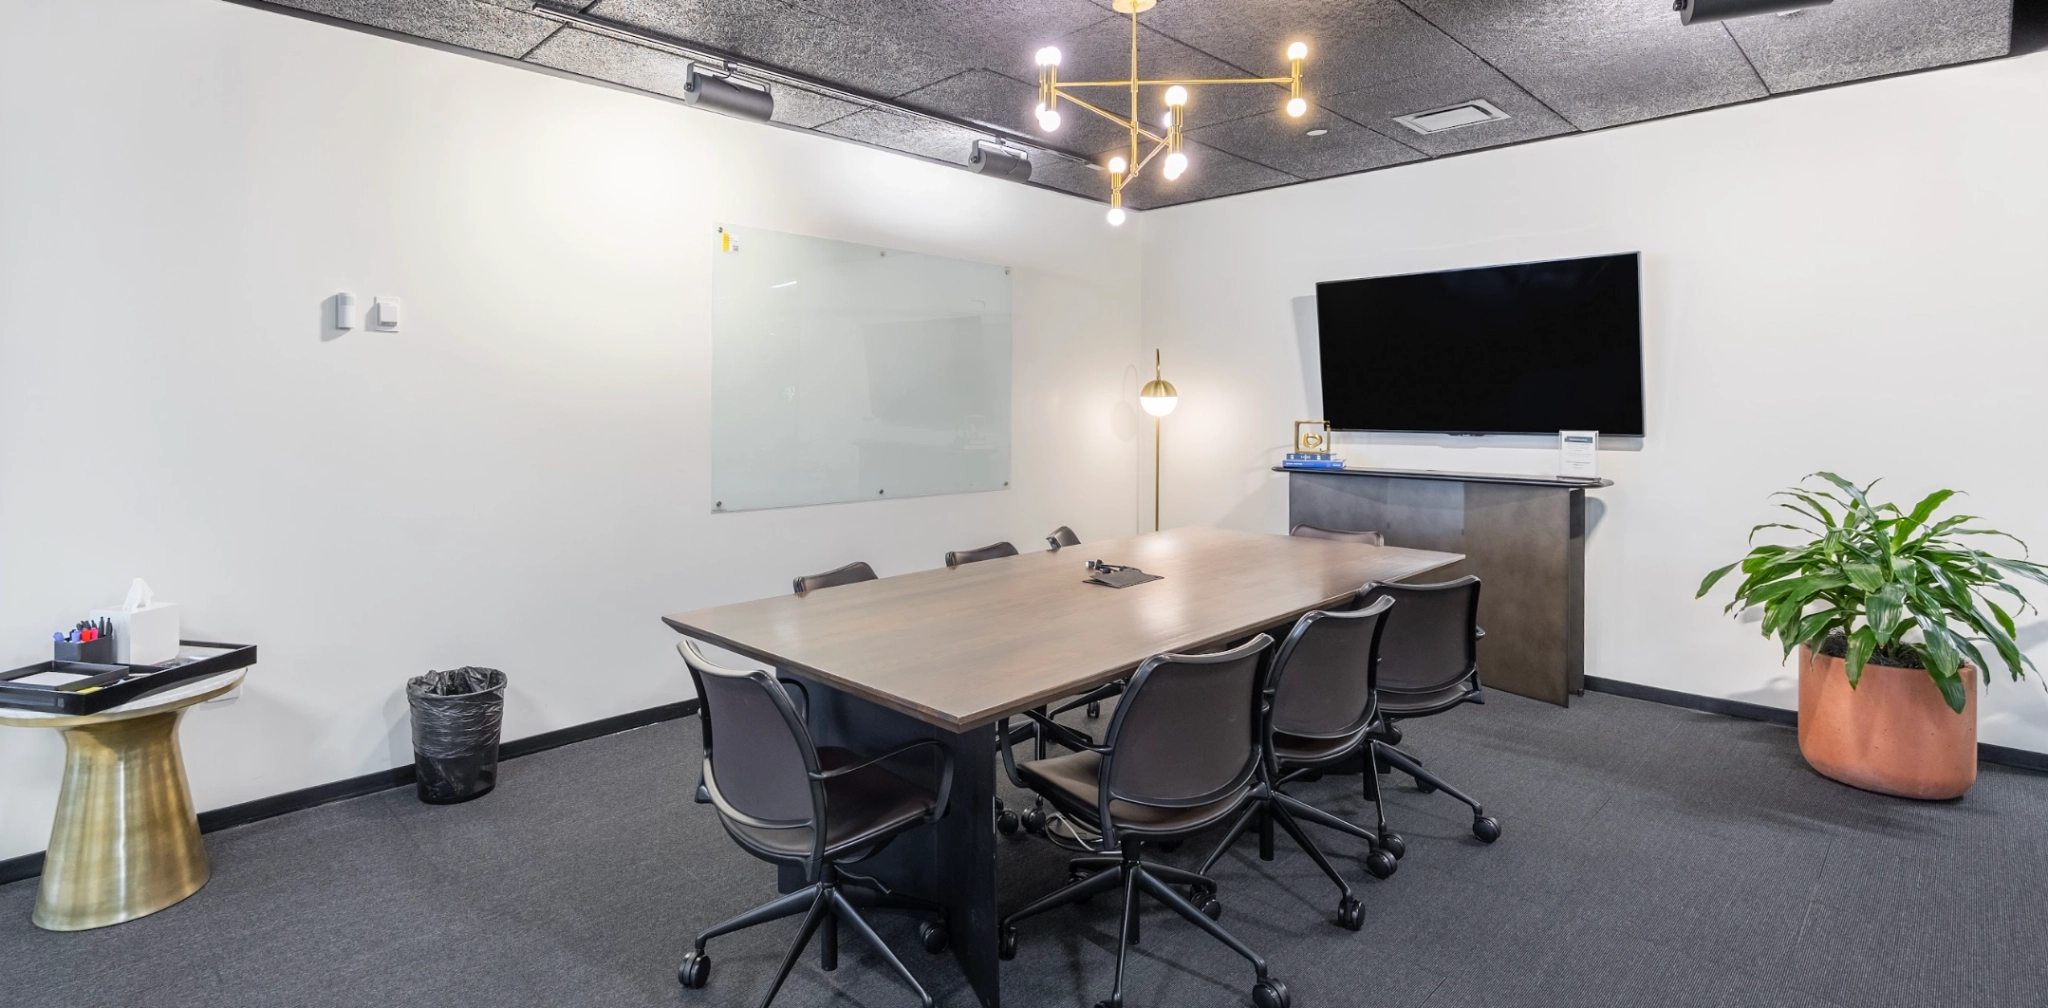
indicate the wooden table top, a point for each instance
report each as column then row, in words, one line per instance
column 962, row 647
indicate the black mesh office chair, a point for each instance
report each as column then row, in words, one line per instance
column 851, row 573
column 1181, row 755
column 1062, row 537
column 1429, row 664
column 1320, row 710
column 955, row 558
column 1312, row 532
column 789, row 802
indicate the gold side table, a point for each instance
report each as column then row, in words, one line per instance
column 126, row 841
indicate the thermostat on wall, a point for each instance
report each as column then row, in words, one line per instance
column 384, row 314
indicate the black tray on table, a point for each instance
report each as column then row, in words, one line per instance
column 104, row 686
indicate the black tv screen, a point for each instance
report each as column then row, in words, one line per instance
column 1533, row 348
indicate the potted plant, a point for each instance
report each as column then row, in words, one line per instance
column 1891, row 611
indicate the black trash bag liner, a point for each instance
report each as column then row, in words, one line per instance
column 456, row 718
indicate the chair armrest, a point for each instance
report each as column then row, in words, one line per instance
column 1478, row 632
column 1057, row 732
column 945, row 770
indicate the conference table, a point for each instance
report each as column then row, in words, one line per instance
column 945, row 654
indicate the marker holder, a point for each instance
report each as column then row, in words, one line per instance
column 96, row 652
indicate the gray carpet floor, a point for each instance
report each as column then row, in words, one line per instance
column 1652, row 856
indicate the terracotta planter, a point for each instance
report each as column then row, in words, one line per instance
column 1892, row 733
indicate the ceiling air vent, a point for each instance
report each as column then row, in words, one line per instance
column 1477, row 110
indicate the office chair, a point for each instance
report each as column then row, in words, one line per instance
column 1062, row 537
column 1181, row 754
column 1319, row 711
column 1429, row 664
column 789, row 802
column 955, row 558
column 851, row 573
column 1312, row 532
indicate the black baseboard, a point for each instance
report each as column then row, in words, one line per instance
column 2006, row 756
column 31, row 865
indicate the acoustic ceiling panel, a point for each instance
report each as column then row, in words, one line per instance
column 1601, row 63
column 784, row 36
column 471, row 24
column 1278, row 141
column 1554, row 66
column 1848, row 41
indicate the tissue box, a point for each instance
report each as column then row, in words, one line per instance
column 144, row 636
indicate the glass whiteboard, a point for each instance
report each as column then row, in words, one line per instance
column 845, row 372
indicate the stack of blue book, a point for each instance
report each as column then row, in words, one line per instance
column 1300, row 460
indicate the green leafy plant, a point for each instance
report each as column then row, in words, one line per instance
column 1901, row 588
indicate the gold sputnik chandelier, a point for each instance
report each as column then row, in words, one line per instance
column 1121, row 169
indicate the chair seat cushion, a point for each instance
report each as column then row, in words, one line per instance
column 867, row 806
column 1414, row 703
column 1069, row 783
column 1304, row 750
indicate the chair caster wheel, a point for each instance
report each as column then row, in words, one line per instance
column 695, row 970
column 1006, row 943
column 1424, row 786
column 1210, row 906
column 1034, row 820
column 934, row 936
column 1350, row 914
column 1095, row 710
column 1007, row 823
column 1381, row 865
column 1167, row 846
column 1486, row 828
column 1392, row 843
column 1111, row 1003
column 1270, row 993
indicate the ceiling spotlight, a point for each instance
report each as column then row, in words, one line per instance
column 1003, row 162
column 729, row 95
column 1706, row 11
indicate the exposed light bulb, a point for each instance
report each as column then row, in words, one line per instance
column 1176, row 95
column 1116, row 216
column 1298, row 50
column 1176, row 163
column 1117, row 165
column 1048, row 119
column 1167, row 119
column 1050, row 56
column 1297, row 107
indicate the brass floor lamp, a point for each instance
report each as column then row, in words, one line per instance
column 1159, row 398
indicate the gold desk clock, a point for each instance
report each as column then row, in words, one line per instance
column 1312, row 437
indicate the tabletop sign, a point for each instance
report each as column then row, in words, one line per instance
column 1579, row 454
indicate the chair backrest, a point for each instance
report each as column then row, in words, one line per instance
column 758, row 757
column 1186, row 731
column 1062, row 537
column 1431, row 640
column 855, row 571
column 1312, row 532
column 955, row 558
column 1324, row 673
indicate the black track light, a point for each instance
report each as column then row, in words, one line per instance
column 729, row 95
column 1004, row 162
column 1704, row 11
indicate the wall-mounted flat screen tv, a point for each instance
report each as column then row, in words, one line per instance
column 1533, row 348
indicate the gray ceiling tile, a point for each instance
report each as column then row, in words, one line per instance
column 990, row 98
column 1350, row 45
column 1868, row 38
column 1103, row 52
column 472, row 24
column 1271, row 138
column 780, row 35
column 802, row 108
column 1210, row 173
column 1376, row 106
column 1000, row 35
column 666, row 74
column 938, row 141
column 1601, row 62
column 1066, row 176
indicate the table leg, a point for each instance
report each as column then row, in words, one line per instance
column 953, row 861
column 126, row 842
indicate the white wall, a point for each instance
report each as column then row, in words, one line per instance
column 518, row 479
column 1851, row 279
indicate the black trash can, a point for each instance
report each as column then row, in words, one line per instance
column 456, row 716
